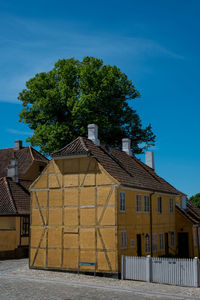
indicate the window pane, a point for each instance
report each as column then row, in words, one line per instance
column 147, row 243
column 146, row 203
column 159, row 203
column 122, row 201
column 138, row 203
column 171, row 205
column 172, row 239
column 161, row 241
column 123, row 239
column 154, row 244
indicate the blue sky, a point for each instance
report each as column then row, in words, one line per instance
column 156, row 43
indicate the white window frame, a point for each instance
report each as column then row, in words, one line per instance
column 154, row 242
column 123, row 239
column 172, row 238
column 122, row 203
column 159, row 205
column 147, row 243
column 171, row 205
column 146, row 203
column 138, row 203
column 161, row 241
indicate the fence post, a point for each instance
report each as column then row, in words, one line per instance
column 196, row 271
column 122, row 267
column 148, row 268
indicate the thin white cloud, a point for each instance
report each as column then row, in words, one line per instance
column 18, row 132
column 39, row 45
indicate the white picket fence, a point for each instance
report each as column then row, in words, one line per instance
column 176, row 271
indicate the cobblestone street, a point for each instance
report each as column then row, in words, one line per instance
column 18, row 282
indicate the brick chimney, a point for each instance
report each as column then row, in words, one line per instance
column 149, row 159
column 93, row 134
column 18, row 145
column 12, row 170
column 126, row 146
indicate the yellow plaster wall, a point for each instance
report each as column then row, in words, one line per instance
column 10, row 233
column 139, row 222
column 184, row 225
column 74, row 217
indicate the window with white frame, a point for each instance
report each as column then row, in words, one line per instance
column 171, row 205
column 122, row 201
column 123, row 239
column 146, row 203
column 161, row 237
column 147, row 243
column 138, row 203
column 154, row 242
column 159, row 200
column 172, row 239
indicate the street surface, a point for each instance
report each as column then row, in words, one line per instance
column 18, row 282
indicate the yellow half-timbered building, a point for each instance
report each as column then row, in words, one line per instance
column 93, row 203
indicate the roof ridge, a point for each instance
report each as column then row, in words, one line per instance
column 65, row 146
column 83, row 143
column 33, row 149
column 116, row 160
column 30, row 149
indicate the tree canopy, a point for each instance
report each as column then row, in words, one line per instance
column 195, row 199
column 59, row 104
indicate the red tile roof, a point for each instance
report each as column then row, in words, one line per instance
column 128, row 170
column 14, row 197
column 25, row 157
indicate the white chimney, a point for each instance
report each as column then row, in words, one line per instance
column 17, row 145
column 149, row 159
column 93, row 134
column 12, row 170
column 183, row 202
column 126, row 146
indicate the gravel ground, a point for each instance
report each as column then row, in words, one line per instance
column 99, row 287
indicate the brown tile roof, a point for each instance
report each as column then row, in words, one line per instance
column 193, row 211
column 128, row 170
column 76, row 147
column 14, row 197
column 25, row 157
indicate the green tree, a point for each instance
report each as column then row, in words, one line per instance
column 59, row 104
column 195, row 199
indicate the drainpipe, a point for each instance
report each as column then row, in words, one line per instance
column 151, row 224
column 197, row 230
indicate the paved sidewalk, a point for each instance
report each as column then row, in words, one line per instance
column 18, row 282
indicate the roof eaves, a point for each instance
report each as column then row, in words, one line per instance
column 148, row 189
column 186, row 215
column 75, row 155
